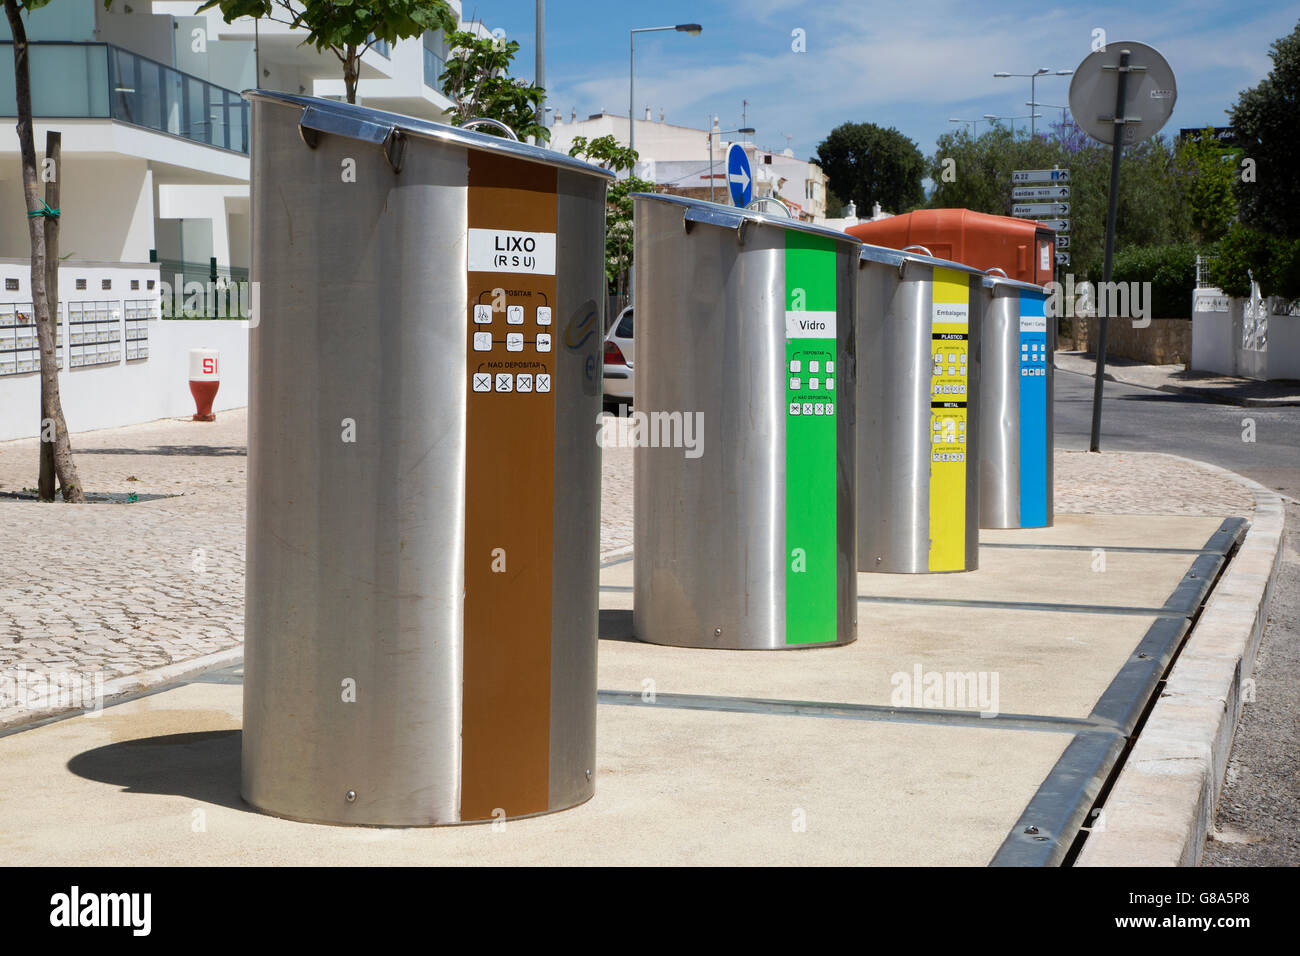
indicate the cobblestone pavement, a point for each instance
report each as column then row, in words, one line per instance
column 116, row 589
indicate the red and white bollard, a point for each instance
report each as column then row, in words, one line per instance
column 204, row 382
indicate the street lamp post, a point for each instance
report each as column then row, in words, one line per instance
column 1051, row 106
column 973, row 123
column 1029, row 116
column 690, row 29
column 746, row 130
column 1033, row 78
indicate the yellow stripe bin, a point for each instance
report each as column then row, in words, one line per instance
column 918, row 325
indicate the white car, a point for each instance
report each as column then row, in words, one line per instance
column 618, row 359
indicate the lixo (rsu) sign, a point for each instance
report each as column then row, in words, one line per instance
column 739, row 181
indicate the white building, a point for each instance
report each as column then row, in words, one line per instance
column 155, row 170
column 686, row 161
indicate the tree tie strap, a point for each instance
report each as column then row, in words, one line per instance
column 46, row 211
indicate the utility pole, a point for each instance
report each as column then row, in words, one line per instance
column 541, row 60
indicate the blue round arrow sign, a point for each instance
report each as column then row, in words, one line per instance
column 739, row 180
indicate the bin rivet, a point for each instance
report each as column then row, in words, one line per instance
column 588, row 774
column 717, row 632
column 1031, row 829
column 350, row 796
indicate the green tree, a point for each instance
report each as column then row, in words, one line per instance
column 971, row 172
column 1209, row 170
column 43, row 231
column 1265, row 121
column 606, row 152
column 867, row 163
column 975, row 173
column 1273, row 261
column 345, row 28
column 477, row 80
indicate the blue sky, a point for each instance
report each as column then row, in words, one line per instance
column 908, row 65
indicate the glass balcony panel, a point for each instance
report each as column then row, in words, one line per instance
column 99, row 80
column 67, row 80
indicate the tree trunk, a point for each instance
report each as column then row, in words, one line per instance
column 351, row 71
column 53, row 155
column 37, row 225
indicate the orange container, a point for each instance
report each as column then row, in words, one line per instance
column 1022, row 248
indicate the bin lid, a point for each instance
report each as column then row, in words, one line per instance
column 897, row 257
column 995, row 282
column 376, row 126
column 731, row 217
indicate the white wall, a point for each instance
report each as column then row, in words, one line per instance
column 106, row 209
column 1217, row 333
column 197, row 204
column 127, row 391
column 1283, row 342
column 134, row 392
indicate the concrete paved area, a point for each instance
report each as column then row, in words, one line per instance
column 156, row 780
column 1046, row 663
column 865, row 766
column 731, row 774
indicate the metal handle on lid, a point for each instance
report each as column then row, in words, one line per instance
column 989, row 272
column 754, row 204
column 315, row 120
column 922, row 248
column 487, row 121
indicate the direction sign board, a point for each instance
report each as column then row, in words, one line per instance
column 1062, row 258
column 1063, row 242
column 1040, row 176
column 1041, row 209
column 1060, row 225
column 1149, row 93
column 739, row 179
column 1041, row 192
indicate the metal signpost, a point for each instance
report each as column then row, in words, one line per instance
column 1040, row 176
column 1020, row 210
column 1132, row 107
column 1054, row 193
column 1041, row 192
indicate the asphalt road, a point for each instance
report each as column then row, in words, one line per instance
column 1142, row 419
column 1258, row 819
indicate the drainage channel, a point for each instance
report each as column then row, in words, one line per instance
column 1054, row 825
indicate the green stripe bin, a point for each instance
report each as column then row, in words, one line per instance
column 745, row 538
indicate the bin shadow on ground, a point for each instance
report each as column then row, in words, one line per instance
column 189, row 451
column 202, row 766
column 616, row 625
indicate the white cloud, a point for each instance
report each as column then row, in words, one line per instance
column 915, row 65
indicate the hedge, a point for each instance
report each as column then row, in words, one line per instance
column 1171, row 270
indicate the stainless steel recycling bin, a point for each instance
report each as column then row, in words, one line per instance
column 1016, row 406
column 745, row 328
column 423, row 512
column 918, row 427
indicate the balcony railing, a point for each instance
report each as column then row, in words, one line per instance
column 103, row 81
